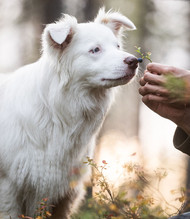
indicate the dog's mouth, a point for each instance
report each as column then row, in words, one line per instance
column 126, row 78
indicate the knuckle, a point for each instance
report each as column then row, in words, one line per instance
column 158, row 92
column 146, row 77
column 170, row 69
column 141, row 81
column 146, row 98
column 149, row 66
column 149, row 97
column 142, row 91
column 146, row 89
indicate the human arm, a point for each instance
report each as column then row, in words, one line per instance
column 171, row 103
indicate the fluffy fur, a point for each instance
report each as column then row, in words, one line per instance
column 52, row 110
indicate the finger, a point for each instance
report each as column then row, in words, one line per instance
column 154, row 98
column 150, row 98
column 153, row 78
column 142, row 82
column 153, row 89
column 157, row 68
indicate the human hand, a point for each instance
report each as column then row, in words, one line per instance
column 166, row 91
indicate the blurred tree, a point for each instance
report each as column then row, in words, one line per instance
column 35, row 14
column 84, row 10
column 91, row 8
column 44, row 11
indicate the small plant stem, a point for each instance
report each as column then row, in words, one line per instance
column 161, row 195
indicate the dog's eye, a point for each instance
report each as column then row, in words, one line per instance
column 96, row 50
column 118, row 46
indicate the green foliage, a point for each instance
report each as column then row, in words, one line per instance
column 110, row 204
column 176, row 86
column 145, row 55
column 41, row 212
column 132, row 200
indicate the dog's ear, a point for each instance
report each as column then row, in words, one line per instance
column 114, row 20
column 59, row 34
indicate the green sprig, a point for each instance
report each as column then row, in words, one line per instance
column 143, row 56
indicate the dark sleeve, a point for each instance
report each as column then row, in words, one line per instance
column 181, row 141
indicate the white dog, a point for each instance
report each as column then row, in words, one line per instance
column 52, row 110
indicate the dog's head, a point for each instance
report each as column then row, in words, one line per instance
column 91, row 52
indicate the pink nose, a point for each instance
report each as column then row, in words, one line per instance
column 131, row 61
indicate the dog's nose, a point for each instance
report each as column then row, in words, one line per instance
column 131, row 61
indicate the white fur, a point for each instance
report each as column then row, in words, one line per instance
column 52, row 110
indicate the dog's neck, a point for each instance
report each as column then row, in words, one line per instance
column 79, row 96
column 76, row 108
column 71, row 102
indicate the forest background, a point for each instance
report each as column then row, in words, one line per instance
column 131, row 132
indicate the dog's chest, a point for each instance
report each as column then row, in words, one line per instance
column 59, row 167
column 48, row 176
